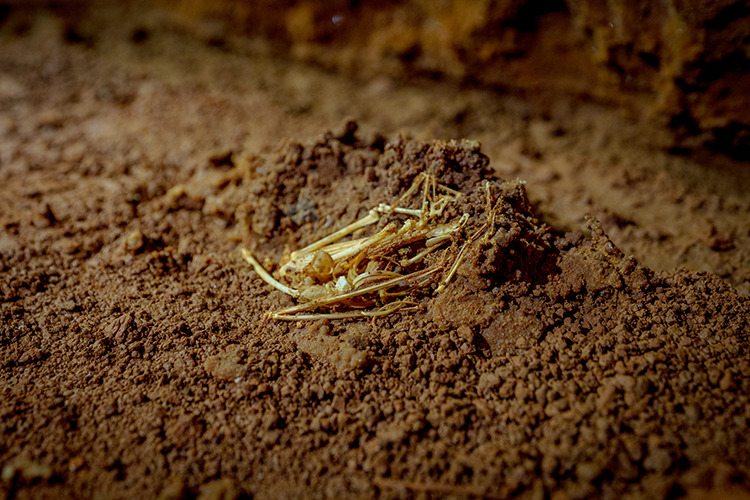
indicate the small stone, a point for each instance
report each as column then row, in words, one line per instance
column 175, row 191
column 226, row 366
column 134, row 242
column 44, row 217
column 270, row 419
column 506, row 390
column 606, row 395
column 122, row 328
column 588, row 471
column 76, row 463
column 658, row 460
column 465, row 333
column 9, row 472
column 488, row 381
column 68, row 305
column 521, row 391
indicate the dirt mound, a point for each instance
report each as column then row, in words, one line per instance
column 548, row 362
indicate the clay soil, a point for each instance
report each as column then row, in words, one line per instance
column 593, row 341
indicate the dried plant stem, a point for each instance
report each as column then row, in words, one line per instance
column 340, row 279
column 454, row 267
column 386, row 309
column 266, row 276
column 357, row 293
column 420, row 256
column 371, row 218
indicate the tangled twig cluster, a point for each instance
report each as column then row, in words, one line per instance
column 376, row 275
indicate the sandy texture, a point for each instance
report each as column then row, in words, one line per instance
column 566, row 358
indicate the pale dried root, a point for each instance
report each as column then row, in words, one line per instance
column 382, row 311
column 266, row 276
column 358, row 275
column 344, row 297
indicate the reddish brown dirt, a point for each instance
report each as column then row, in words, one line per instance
column 134, row 355
column 681, row 63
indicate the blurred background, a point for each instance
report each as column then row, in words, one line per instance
column 683, row 63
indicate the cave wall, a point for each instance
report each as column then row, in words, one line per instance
column 681, row 62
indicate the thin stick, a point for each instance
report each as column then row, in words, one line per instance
column 306, row 317
column 455, row 193
column 339, row 246
column 421, row 255
column 489, row 209
column 461, row 253
column 383, row 208
column 356, row 293
column 368, row 219
column 376, row 283
column 351, row 250
column 454, row 267
column 383, row 311
column 426, row 195
column 414, row 186
column 266, row 276
column 374, row 276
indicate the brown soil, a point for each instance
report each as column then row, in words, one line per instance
column 566, row 358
